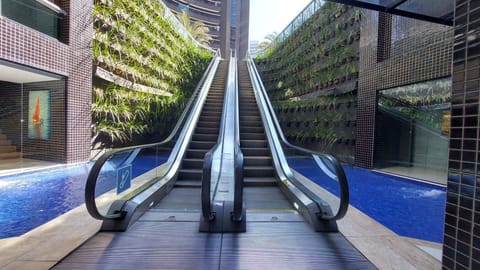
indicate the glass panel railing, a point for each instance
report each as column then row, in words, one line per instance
column 127, row 172
column 122, row 174
column 319, row 176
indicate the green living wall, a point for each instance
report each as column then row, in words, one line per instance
column 134, row 41
column 312, row 79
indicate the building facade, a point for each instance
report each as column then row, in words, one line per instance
column 227, row 21
column 45, row 79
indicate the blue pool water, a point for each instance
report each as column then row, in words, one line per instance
column 409, row 208
column 29, row 200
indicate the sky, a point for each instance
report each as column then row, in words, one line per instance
column 267, row 16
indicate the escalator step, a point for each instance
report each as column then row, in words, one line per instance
column 260, row 181
column 192, row 163
column 196, row 153
column 205, row 130
column 258, row 171
column 190, row 174
column 202, row 145
column 251, row 124
column 252, row 136
column 254, row 143
column 250, row 118
column 258, row 129
column 205, row 137
column 257, row 160
column 208, row 124
column 256, row 151
column 188, row 184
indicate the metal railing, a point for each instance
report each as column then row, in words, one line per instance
column 306, row 13
column 326, row 163
column 176, row 144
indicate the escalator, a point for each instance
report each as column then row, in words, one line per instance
column 263, row 196
column 258, row 170
column 278, row 230
column 183, row 200
column 206, row 132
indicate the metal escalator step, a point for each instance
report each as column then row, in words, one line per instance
column 252, row 136
column 208, row 124
column 251, row 123
column 255, row 151
column 196, row 153
column 260, row 181
column 210, row 113
column 202, row 144
column 192, row 163
column 259, row 129
column 190, row 174
column 254, row 143
column 188, row 183
column 206, row 130
column 258, row 171
column 250, row 118
column 257, row 160
column 208, row 118
column 205, row 137
column 249, row 112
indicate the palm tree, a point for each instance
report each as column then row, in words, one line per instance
column 197, row 29
column 267, row 42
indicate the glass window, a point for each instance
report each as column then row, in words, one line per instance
column 413, row 122
column 32, row 14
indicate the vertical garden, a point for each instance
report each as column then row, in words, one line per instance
column 312, row 78
column 145, row 70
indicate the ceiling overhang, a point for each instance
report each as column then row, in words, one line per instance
column 15, row 73
column 436, row 11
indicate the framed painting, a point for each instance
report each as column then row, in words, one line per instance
column 39, row 115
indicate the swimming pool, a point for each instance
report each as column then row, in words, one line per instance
column 409, row 208
column 29, row 200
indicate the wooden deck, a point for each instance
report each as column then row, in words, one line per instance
column 167, row 237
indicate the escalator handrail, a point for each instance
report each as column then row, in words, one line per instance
column 206, row 192
column 238, row 173
column 94, row 172
column 339, row 171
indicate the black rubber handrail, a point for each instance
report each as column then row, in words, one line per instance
column 238, row 193
column 92, row 177
column 207, row 211
column 340, row 173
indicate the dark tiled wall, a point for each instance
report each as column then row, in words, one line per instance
column 71, row 56
column 10, row 112
column 79, row 84
column 395, row 51
column 461, row 248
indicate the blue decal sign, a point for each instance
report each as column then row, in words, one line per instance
column 124, row 176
